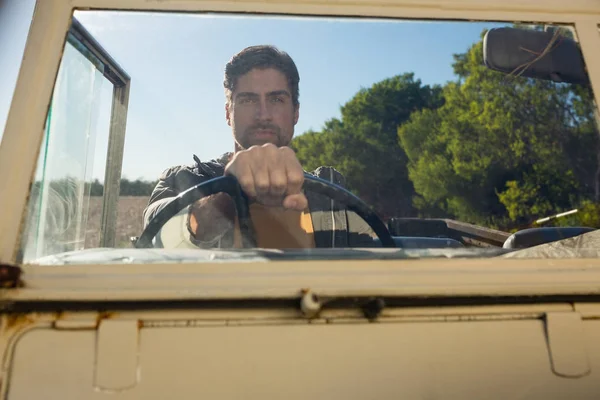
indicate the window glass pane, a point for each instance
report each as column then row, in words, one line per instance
column 60, row 194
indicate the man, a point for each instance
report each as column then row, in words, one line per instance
column 262, row 107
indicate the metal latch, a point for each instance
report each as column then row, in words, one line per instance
column 117, row 343
column 566, row 344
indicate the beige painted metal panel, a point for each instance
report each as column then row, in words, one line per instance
column 286, row 279
column 510, row 10
column 116, row 365
column 114, row 161
column 67, row 362
column 280, row 315
column 23, row 133
column 587, row 310
column 449, row 360
column 564, row 331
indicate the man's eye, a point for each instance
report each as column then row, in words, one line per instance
column 246, row 100
column 277, row 99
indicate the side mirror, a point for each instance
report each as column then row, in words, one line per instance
column 534, row 54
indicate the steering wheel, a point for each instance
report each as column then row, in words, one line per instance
column 229, row 185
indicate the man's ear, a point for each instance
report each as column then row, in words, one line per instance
column 227, row 114
column 296, row 113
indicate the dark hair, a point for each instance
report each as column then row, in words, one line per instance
column 261, row 57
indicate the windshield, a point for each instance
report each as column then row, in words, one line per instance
column 444, row 156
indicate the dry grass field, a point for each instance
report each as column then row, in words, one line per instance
column 129, row 220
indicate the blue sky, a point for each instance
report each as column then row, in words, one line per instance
column 176, row 61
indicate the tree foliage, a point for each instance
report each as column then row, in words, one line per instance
column 486, row 148
column 363, row 145
column 503, row 150
column 128, row 187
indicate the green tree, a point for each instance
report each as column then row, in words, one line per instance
column 96, row 188
column 502, row 150
column 137, row 187
column 363, row 145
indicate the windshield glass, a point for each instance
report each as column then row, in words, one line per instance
column 444, row 154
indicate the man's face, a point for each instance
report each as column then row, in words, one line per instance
column 262, row 110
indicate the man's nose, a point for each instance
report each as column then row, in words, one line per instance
column 263, row 111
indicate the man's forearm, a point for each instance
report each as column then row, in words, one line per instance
column 211, row 217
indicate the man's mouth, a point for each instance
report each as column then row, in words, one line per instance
column 263, row 133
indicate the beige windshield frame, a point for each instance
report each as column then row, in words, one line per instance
column 51, row 21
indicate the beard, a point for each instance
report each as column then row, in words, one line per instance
column 259, row 134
